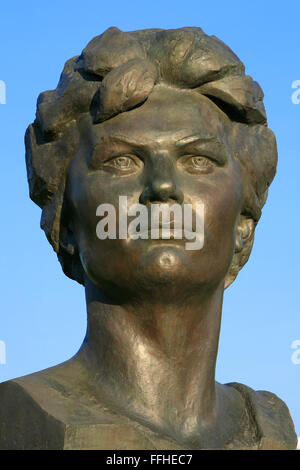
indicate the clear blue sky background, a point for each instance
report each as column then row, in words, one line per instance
column 42, row 319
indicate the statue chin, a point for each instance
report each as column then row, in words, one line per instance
column 163, row 262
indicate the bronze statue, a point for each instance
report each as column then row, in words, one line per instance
column 160, row 116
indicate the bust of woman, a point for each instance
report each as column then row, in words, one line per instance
column 161, row 117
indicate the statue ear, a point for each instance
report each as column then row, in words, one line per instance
column 67, row 239
column 68, row 254
column 244, row 232
column 244, row 238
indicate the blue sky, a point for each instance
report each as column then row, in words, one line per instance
column 42, row 315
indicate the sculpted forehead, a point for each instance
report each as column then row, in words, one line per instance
column 167, row 114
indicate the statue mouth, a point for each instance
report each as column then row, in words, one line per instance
column 164, row 232
column 161, row 222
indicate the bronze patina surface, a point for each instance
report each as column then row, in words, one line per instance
column 160, row 116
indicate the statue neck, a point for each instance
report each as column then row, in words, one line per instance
column 154, row 360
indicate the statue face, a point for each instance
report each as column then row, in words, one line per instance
column 173, row 148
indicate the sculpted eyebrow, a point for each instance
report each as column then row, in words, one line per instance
column 199, row 139
column 211, row 145
column 191, row 139
column 103, row 147
column 111, row 139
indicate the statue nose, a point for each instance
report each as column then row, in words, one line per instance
column 161, row 192
column 161, row 186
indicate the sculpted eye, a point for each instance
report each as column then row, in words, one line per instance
column 197, row 164
column 201, row 162
column 122, row 163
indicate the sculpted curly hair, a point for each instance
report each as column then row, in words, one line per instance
column 117, row 72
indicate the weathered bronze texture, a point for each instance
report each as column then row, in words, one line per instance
column 144, row 377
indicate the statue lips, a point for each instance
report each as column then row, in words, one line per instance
column 169, row 232
column 163, row 234
column 166, row 231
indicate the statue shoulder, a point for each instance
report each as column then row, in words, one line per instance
column 24, row 423
column 274, row 427
column 39, row 411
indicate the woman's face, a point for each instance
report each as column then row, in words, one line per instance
column 172, row 149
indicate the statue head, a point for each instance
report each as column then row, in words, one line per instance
column 158, row 115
